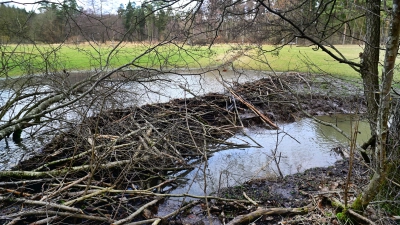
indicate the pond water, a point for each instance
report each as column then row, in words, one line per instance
column 167, row 87
column 299, row 145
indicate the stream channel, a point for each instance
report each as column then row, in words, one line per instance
column 301, row 145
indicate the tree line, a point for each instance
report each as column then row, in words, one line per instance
column 67, row 22
column 214, row 21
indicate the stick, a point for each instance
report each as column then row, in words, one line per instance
column 41, row 203
column 141, row 192
column 32, row 174
column 48, row 220
column 351, row 212
column 365, row 219
column 246, row 219
column 66, row 187
column 137, row 212
column 58, row 213
column 24, row 182
column 16, row 192
column 167, row 216
column 156, row 222
column 88, row 196
column 250, row 200
column 251, row 107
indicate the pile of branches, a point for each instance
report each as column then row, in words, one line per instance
column 108, row 166
column 286, row 98
column 117, row 166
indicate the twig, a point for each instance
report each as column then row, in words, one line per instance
column 138, row 192
column 58, row 213
column 90, row 150
column 41, row 203
column 14, row 221
column 66, row 187
column 15, row 192
column 48, row 220
column 246, row 219
column 167, row 216
column 24, row 182
column 365, row 219
column 351, row 212
column 249, row 199
column 88, row 196
column 156, row 222
column 161, row 184
column 137, row 212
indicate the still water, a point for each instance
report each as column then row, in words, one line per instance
column 164, row 88
column 300, row 145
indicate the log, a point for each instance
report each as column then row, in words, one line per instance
column 248, row 218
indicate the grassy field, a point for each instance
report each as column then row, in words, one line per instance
column 39, row 58
column 302, row 59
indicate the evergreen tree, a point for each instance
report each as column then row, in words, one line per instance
column 128, row 16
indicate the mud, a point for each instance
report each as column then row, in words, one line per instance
column 315, row 187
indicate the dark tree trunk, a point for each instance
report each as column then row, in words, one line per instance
column 382, row 129
column 370, row 61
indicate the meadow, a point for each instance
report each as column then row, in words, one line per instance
column 32, row 59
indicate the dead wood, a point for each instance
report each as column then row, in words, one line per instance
column 183, row 208
column 137, row 212
column 58, row 213
column 41, row 203
column 248, row 218
column 111, row 163
column 65, row 188
column 18, row 193
column 340, row 205
column 251, row 106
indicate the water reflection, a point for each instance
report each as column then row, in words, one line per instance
column 302, row 145
column 164, row 88
column 172, row 86
column 346, row 123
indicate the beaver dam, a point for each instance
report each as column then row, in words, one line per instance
column 118, row 167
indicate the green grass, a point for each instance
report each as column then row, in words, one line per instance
column 301, row 59
column 30, row 59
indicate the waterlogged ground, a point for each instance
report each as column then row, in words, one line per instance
column 302, row 146
column 301, row 151
column 313, row 186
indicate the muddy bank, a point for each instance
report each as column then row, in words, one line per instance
column 312, row 187
column 135, row 156
column 301, row 198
